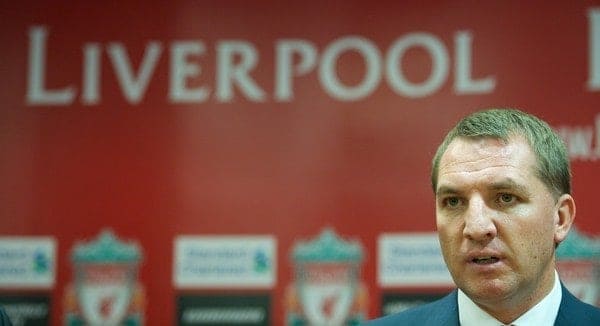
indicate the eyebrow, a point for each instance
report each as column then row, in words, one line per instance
column 446, row 190
column 510, row 184
column 506, row 184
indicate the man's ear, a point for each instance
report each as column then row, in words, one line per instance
column 565, row 215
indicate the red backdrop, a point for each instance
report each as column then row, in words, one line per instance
column 349, row 146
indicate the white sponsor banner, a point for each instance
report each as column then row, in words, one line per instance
column 411, row 259
column 27, row 262
column 224, row 261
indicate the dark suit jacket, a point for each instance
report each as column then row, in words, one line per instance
column 4, row 321
column 444, row 311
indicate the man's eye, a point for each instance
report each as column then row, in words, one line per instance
column 452, row 202
column 506, row 198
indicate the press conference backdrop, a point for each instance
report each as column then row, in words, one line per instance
column 196, row 162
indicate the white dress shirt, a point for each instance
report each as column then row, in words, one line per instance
column 543, row 313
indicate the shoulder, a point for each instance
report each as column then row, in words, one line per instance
column 574, row 311
column 4, row 321
column 440, row 312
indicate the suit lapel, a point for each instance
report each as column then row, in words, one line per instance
column 567, row 312
column 447, row 311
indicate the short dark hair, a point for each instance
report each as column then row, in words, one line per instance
column 553, row 167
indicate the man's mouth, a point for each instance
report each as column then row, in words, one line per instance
column 485, row 260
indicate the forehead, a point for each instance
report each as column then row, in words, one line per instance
column 485, row 159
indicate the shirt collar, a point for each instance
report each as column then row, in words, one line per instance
column 543, row 313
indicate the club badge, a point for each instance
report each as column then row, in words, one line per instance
column 106, row 290
column 327, row 289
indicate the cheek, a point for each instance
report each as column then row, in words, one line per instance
column 449, row 228
column 532, row 256
column 529, row 224
column 443, row 232
column 540, row 230
column 450, row 239
column 533, row 242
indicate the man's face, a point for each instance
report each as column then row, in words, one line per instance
column 497, row 222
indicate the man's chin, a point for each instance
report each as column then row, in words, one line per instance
column 489, row 291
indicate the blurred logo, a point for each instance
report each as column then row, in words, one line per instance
column 215, row 262
column 327, row 289
column 41, row 262
column 261, row 262
column 578, row 263
column 106, row 289
column 27, row 262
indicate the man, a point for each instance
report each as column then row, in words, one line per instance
column 501, row 180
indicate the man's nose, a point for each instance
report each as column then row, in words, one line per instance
column 479, row 221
